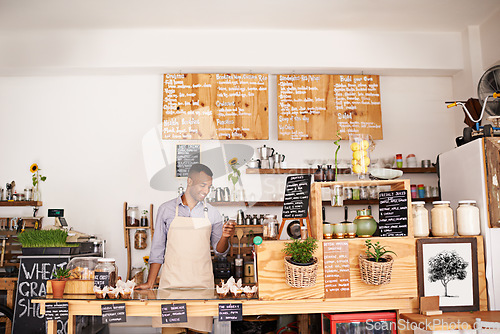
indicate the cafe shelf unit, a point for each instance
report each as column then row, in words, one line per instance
column 324, row 203
column 10, row 247
column 340, row 170
column 21, row 203
column 249, row 232
column 127, row 230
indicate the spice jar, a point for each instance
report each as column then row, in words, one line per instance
column 319, row 174
column 144, row 218
column 442, row 219
column 363, row 192
column 133, row 216
column 140, row 239
column 337, row 196
column 270, row 228
column 420, row 219
column 105, row 273
column 468, row 218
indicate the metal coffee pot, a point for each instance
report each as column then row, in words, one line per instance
column 253, row 163
column 226, row 195
column 264, row 163
column 278, row 159
column 240, row 217
column 218, row 194
column 264, row 152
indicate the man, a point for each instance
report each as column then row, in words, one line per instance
column 185, row 229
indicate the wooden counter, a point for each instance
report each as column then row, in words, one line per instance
column 449, row 320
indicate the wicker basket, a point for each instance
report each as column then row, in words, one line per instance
column 300, row 276
column 375, row 273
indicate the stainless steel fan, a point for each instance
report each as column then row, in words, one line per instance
column 488, row 85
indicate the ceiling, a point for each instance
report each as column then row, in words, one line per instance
column 383, row 15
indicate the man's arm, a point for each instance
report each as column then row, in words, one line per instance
column 227, row 232
column 154, row 269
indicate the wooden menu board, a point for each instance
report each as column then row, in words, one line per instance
column 336, row 269
column 315, row 107
column 215, row 106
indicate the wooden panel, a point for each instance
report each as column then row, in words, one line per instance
column 314, row 107
column 493, row 171
column 271, row 274
column 481, row 268
column 215, row 106
column 75, row 287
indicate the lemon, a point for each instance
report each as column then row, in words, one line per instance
column 355, row 147
column 366, row 161
column 357, row 155
column 366, row 169
column 354, row 162
column 357, row 169
column 365, row 153
column 365, row 144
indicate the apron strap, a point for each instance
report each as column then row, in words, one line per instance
column 205, row 209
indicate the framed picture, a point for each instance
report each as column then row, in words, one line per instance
column 447, row 267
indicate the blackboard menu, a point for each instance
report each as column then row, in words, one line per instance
column 296, row 201
column 215, row 106
column 315, row 107
column 230, row 312
column 186, row 156
column 101, row 279
column 336, row 269
column 173, row 313
column 393, row 213
column 34, row 272
column 112, row 313
column 56, row 311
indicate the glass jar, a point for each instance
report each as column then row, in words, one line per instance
column 327, row 230
column 339, row 231
column 363, row 192
column 350, row 230
column 420, row 219
column 319, row 174
column 144, row 219
column 355, row 193
column 106, row 273
column 270, row 228
column 373, row 192
column 133, row 217
column 140, row 239
column 468, row 218
column 337, row 196
column 137, row 275
column 82, row 268
column 442, row 224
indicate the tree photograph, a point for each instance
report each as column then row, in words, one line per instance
column 445, row 267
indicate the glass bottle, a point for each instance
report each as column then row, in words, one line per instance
column 319, row 174
column 106, row 273
column 270, row 228
column 420, row 219
column 144, row 219
column 442, row 224
column 140, row 239
column 468, row 218
column 133, row 218
column 330, row 174
column 366, row 224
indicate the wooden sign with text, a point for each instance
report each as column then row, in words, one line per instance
column 215, row 106
column 336, row 269
column 315, row 107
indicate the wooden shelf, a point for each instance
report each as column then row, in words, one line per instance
column 324, row 203
column 340, row 170
column 20, row 203
column 138, row 227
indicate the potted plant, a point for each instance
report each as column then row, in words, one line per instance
column 59, row 282
column 376, row 264
column 300, row 263
column 46, row 242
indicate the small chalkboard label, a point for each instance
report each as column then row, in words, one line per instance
column 393, row 213
column 101, row 279
column 56, row 311
column 173, row 313
column 186, row 156
column 230, row 312
column 296, row 201
column 113, row 313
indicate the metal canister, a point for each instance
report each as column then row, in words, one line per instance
column 248, row 220
column 240, row 218
column 261, row 219
column 255, row 220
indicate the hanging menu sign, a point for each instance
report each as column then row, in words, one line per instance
column 230, row 312
column 101, row 279
column 336, row 269
column 185, row 157
column 315, row 107
column 173, row 313
column 215, row 106
column 112, row 313
column 393, row 213
column 296, row 201
column 56, row 311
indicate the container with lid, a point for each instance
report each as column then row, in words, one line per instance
column 140, row 239
column 442, row 224
column 106, row 273
column 420, row 219
column 133, row 217
column 82, row 268
column 468, row 218
column 366, row 224
column 270, row 228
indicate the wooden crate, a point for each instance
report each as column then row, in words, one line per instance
column 75, row 287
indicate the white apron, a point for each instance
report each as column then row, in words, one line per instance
column 188, row 263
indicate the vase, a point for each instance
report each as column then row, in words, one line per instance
column 58, row 288
column 37, row 195
column 366, row 225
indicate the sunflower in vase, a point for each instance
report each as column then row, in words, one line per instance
column 36, row 178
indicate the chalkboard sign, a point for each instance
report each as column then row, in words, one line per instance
column 185, row 157
column 296, row 201
column 215, row 106
column 230, row 312
column 34, row 272
column 101, row 279
column 336, row 269
column 112, row 313
column 393, row 213
column 315, row 107
column 56, row 311
column 173, row 313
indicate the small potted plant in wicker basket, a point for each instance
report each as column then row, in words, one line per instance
column 375, row 264
column 300, row 264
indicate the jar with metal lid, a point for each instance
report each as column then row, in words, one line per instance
column 255, row 220
column 420, row 219
column 140, row 239
column 468, row 218
column 106, row 273
column 363, row 192
column 133, row 218
column 442, row 224
column 270, row 228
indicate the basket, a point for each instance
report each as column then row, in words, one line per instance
column 375, row 273
column 300, row 276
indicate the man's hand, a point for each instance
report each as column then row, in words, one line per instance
column 228, row 229
column 144, row 286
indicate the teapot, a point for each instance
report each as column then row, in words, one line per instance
column 254, row 163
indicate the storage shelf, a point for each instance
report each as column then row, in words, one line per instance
column 21, row 203
column 324, row 203
column 339, row 171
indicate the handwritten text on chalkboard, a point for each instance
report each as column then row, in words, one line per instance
column 186, row 156
column 56, row 311
column 101, row 279
column 173, row 313
column 296, row 201
column 393, row 213
column 113, row 313
column 230, row 312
